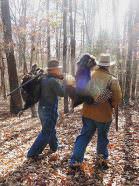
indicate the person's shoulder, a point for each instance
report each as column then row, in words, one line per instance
column 53, row 81
column 48, row 79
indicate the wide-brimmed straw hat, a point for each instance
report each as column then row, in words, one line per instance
column 105, row 60
column 52, row 64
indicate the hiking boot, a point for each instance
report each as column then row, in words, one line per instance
column 36, row 157
column 102, row 166
column 101, row 163
column 105, row 166
column 73, row 169
column 50, row 151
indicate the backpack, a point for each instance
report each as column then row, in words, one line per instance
column 31, row 88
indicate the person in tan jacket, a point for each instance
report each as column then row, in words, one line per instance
column 98, row 116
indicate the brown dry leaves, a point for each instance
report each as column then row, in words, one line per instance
column 17, row 135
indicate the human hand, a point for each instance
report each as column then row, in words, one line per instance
column 69, row 80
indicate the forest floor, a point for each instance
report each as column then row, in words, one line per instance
column 17, row 135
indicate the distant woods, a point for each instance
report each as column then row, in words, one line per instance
column 36, row 31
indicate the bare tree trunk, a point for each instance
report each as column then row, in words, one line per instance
column 2, row 68
column 32, row 49
column 89, row 20
column 59, row 42
column 135, row 59
column 33, row 38
column 15, row 99
column 72, row 40
column 48, row 32
column 82, row 38
column 134, row 77
column 57, row 38
column 116, row 39
column 65, row 8
column 22, row 37
column 124, row 54
column 129, row 55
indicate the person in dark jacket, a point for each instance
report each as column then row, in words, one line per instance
column 51, row 89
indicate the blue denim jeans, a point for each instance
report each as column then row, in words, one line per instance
column 48, row 116
column 87, row 132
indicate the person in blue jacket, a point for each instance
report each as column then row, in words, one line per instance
column 48, row 110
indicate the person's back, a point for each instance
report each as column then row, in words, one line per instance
column 50, row 89
column 103, row 112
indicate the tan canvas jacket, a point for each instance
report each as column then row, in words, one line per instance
column 103, row 111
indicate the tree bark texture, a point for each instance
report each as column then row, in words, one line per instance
column 15, row 99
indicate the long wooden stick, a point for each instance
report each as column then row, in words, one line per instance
column 116, row 118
